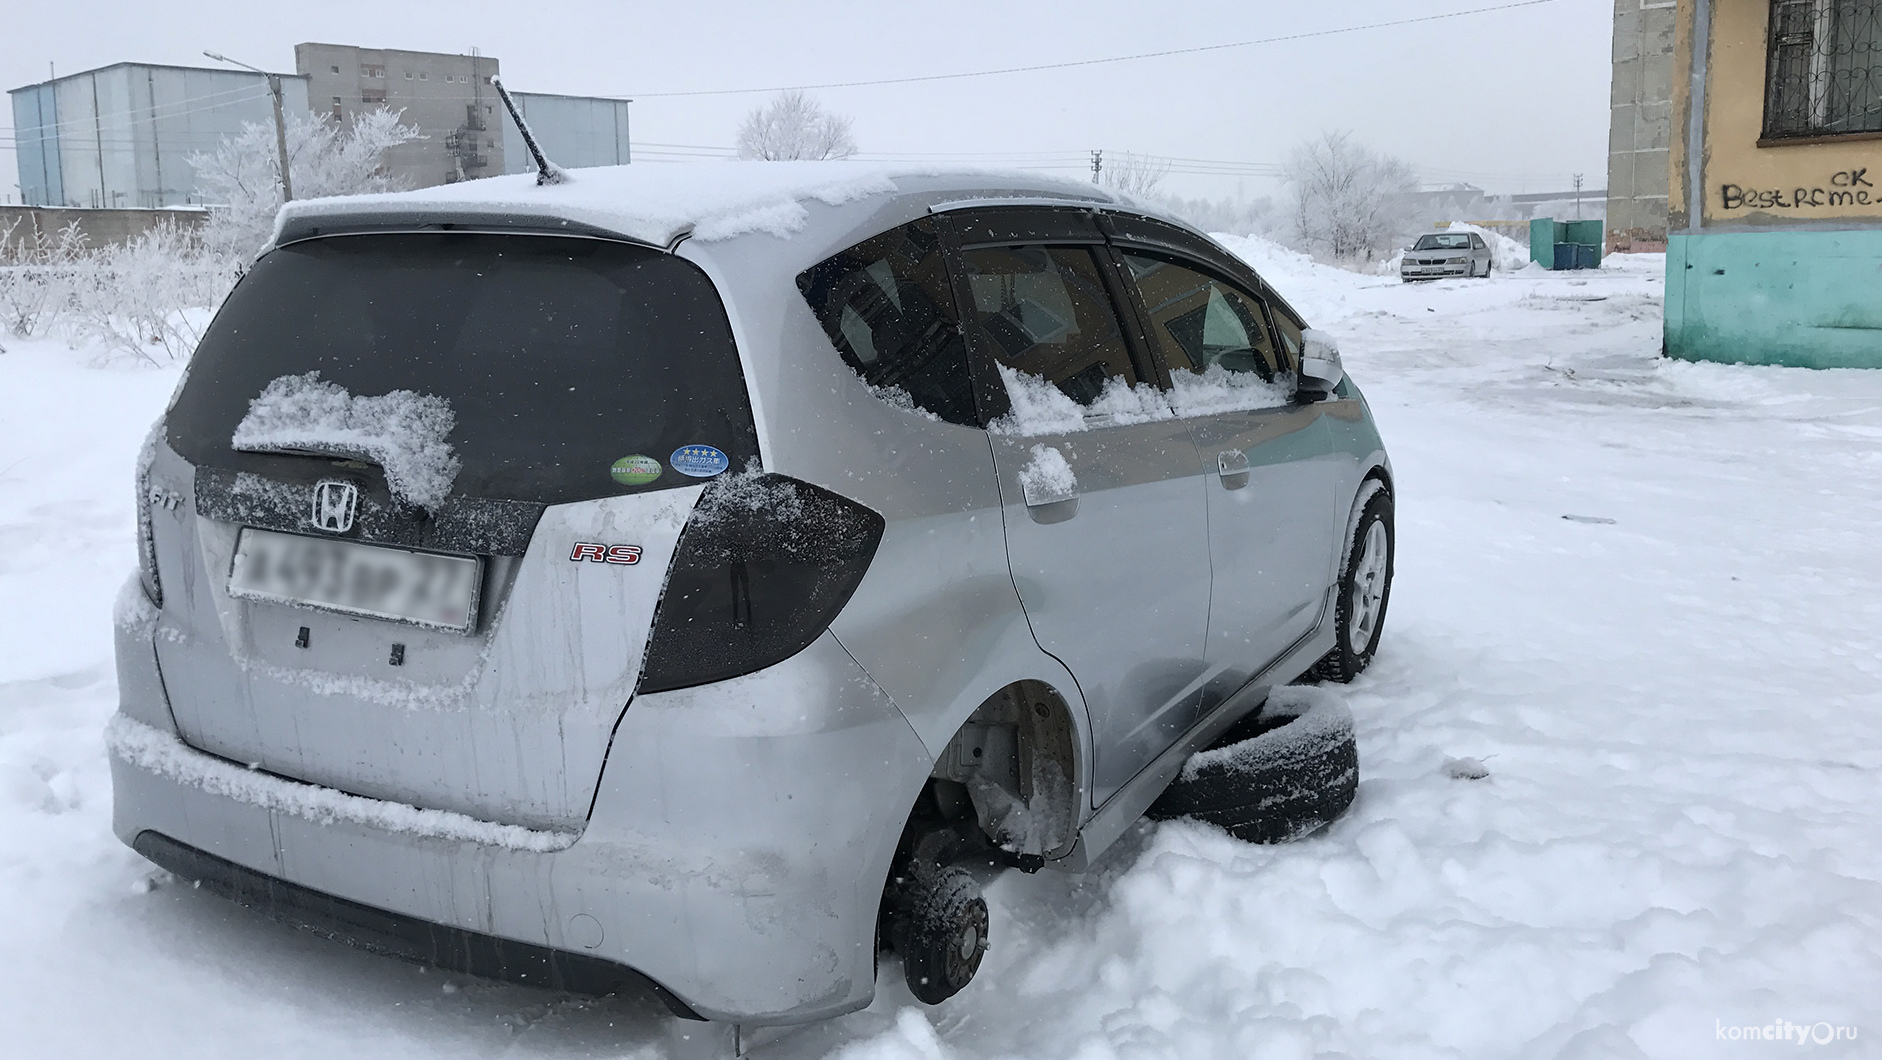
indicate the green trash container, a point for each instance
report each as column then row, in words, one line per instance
column 1565, row 245
column 1544, row 234
column 1587, row 237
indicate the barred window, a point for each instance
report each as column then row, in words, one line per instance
column 1825, row 71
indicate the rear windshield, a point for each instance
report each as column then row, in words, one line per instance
column 573, row 368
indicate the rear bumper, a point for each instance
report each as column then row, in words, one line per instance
column 734, row 858
column 407, row 938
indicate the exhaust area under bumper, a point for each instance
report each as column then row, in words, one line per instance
column 407, row 938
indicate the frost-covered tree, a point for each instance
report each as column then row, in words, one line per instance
column 1137, row 175
column 325, row 157
column 793, row 126
column 1236, row 216
column 1349, row 202
column 39, row 270
column 149, row 298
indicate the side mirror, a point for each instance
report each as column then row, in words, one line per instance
column 1320, row 367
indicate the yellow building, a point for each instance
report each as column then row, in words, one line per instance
column 1774, row 252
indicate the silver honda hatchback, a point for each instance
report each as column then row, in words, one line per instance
column 695, row 579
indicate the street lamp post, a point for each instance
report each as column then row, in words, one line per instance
column 280, row 122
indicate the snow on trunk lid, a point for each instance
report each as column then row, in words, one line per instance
column 403, row 432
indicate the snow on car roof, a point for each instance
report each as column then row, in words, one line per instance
column 658, row 203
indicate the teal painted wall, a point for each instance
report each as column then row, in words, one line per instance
column 1803, row 299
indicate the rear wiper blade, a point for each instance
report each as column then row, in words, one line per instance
column 349, row 455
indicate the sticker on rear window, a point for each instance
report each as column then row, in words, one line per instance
column 635, row 470
column 699, row 461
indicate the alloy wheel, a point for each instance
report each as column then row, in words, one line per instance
column 1368, row 600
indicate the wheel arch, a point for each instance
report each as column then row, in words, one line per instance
column 1380, row 472
column 1019, row 760
column 1015, row 770
column 1376, row 480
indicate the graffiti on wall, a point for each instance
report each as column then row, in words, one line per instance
column 1846, row 187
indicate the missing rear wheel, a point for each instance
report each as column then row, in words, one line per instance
column 940, row 929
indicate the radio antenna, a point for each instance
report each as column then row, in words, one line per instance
column 547, row 172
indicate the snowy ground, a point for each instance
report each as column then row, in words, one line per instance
column 1680, row 709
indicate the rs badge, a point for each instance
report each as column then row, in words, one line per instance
column 597, row 553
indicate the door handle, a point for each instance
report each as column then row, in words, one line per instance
column 1049, row 512
column 1049, row 486
column 1232, row 465
column 1041, row 491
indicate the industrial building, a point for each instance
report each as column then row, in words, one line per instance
column 575, row 131
column 121, row 136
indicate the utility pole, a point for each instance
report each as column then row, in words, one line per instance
column 1097, row 164
column 1578, row 196
column 280, row 122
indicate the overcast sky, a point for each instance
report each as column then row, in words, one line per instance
column 1512, row 101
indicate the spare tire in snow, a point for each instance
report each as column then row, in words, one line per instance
column 1286, row 772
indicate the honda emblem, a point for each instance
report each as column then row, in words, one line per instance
column 335, row 503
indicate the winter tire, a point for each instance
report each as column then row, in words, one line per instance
column 940, row 930
column 1365, row 588
column 1293, row 777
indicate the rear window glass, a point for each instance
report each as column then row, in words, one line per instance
column 573, row 368
column 888, row 306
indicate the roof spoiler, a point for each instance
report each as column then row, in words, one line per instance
column 435, row 219
column 547, row 172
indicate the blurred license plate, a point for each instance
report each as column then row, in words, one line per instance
column 373, row 580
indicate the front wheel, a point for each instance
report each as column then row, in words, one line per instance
column 1365, row 587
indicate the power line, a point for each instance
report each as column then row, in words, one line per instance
column 128, row 118
column 173, row 109
column 1069, row 64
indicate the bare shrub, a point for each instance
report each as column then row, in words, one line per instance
column 1349, row 202
column 1241, row 217
column 39, row 276
column 150, row 298
column 794, row 127
column 1132, row 174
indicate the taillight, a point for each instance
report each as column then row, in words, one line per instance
column 761, row 570
column 146, row 535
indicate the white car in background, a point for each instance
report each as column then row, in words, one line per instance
column 1440, row 254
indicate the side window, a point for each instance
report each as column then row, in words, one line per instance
column 1199, row 322
column 888, row 306
column 1289, row 330
column 1044, row 311
column 1476, row 241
